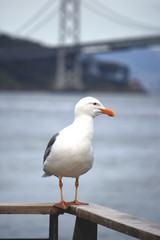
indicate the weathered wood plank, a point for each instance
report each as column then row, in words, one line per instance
column 28, row 208
column 24, row 238
column 118, row 221
column 100, row 215
column 84, row 229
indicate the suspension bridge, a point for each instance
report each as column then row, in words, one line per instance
column 69, row 68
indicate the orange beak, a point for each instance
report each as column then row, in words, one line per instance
column 108, row 112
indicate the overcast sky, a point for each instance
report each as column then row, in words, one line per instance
column 100, row 19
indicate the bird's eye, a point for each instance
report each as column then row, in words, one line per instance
column 94, row 103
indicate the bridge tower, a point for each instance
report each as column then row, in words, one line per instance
column 68, row 62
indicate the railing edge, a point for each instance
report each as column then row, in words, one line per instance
column 104, row 216
column 118, row 221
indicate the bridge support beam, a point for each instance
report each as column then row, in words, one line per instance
column 68, row 71
column 68, row 75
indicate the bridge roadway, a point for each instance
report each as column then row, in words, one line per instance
column 10, row 53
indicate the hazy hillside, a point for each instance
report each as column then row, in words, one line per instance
column 115, row 71
column 19, row 70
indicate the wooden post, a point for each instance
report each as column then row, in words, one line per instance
column 53, row 227
column 84, row 229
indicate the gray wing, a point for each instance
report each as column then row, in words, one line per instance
column 48, row 148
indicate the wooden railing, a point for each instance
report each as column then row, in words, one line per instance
column 88, row 217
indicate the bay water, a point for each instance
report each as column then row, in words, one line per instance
column 126, row 171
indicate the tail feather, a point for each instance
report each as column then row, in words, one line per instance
column 46, row 175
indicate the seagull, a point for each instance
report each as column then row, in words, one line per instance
column 69, row 153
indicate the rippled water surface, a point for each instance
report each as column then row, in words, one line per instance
column 126, row 171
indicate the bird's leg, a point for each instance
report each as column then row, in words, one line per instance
column 76, row 202
column 60, row 186
column 61, row 204
column 76, row 185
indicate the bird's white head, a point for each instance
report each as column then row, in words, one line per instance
column 92, row 107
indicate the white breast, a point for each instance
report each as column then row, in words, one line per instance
column 71, row 155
